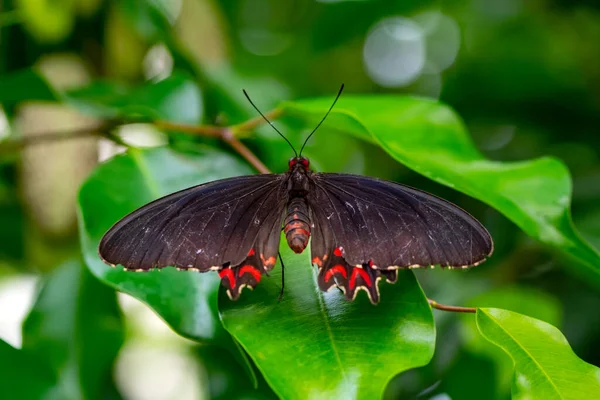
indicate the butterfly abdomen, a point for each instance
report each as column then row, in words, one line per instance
column 297, row 224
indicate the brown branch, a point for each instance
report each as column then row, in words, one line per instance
column 245, row 152
column 203, row 130
column 217, row 131
column 10, row 145
column 444, row 307
column 227, row 134
column 256, row 121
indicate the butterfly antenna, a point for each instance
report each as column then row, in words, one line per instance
column 266, row 119
column 326, row 114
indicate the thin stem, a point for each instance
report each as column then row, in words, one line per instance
column 245, row 152
column 10, row 145
column 227, row 134
column 205, row 130
column 257, row 121
column 444, row 307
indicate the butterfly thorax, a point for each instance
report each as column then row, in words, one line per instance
column 297, row 221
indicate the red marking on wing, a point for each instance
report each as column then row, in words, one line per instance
column 251, row 253
column 371, row 263
column 228, row 273
column 337, row 252
column 363, row 274
column 317, row 261
column 252, row 271
column 335, row 269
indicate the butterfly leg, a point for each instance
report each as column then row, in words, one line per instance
column 282, row 278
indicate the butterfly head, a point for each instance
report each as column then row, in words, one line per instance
column 299, row 162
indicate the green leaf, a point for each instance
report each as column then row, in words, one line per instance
column 525, row 300
column 75, row 326
column 25, row 375
column 319, row 345
column 429, row 138
column 545, row 366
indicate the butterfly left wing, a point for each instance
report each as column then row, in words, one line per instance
column 231, row 226
column 366, row 228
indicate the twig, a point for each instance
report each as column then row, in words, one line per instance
column 204, row 130
column 256, row 121
column 444, row 307
column 228, row 136
column 10, row 145
column 217, row 131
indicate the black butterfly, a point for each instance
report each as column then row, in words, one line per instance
column 363, row 229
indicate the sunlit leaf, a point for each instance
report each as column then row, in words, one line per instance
column 528, row 301
column 429, row 138
column 545, row 365
column 319, row 345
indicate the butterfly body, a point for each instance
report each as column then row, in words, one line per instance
column 361, row 230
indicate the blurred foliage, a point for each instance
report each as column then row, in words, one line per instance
column 524, row 79
column 75, row 326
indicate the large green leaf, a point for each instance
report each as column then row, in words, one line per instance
column 75, row 327
column 429, row 138
column 545, row 366
column 187, row 301
column 315, row 345
column 524, row 300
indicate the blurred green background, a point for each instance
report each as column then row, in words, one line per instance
column 524, row 76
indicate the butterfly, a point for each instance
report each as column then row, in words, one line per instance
column 361, row 229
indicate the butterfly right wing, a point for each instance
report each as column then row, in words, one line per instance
column 366, row 228
column 231, row 226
